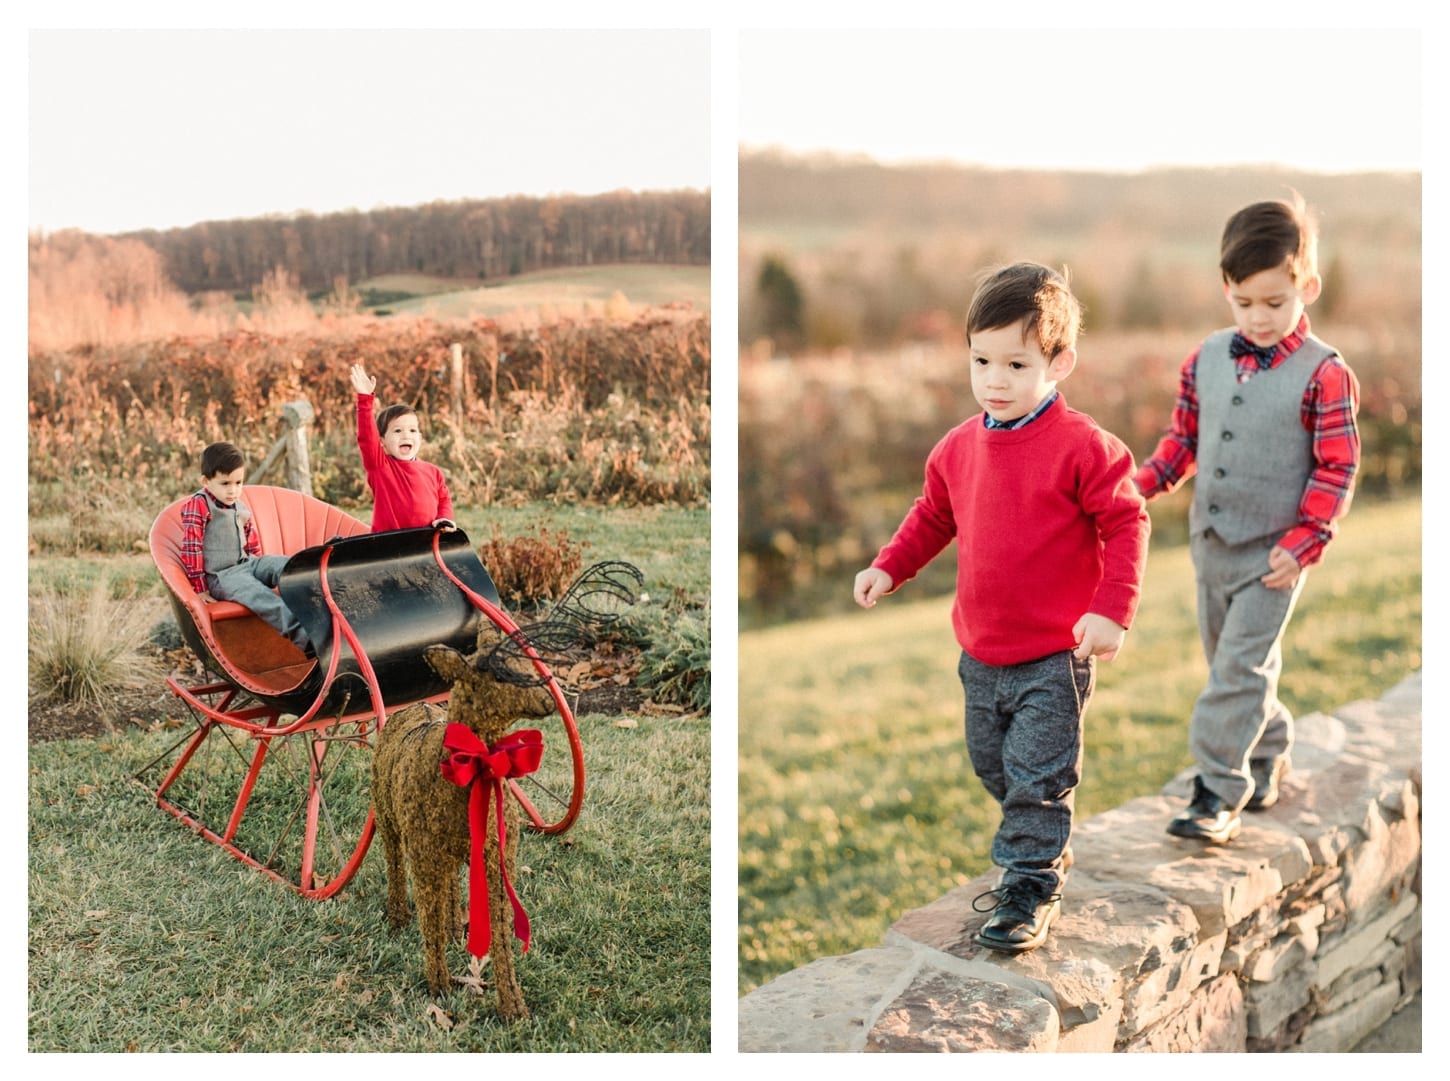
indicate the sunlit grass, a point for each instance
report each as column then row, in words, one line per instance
column 143, row 937
column 856, row 798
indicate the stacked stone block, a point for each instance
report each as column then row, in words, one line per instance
column 1302, row 935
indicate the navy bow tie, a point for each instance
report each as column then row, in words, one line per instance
column 1262, row 354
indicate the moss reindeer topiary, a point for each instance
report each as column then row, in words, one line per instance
column 425, row 765
column 423, row 817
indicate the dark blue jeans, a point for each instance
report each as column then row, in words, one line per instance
column 1024, row 736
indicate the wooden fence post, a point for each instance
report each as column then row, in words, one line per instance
column 297, row 416
column 456, row 383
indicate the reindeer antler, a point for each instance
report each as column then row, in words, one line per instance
column 595, row 599
column 598, row 595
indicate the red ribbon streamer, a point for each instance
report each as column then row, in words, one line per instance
column 482, row 769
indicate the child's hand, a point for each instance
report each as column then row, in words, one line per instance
column 1097, row 636
column 206, row 597
column 1284, row 569
column 872, row 584
column 445, row 524
column 360, row 381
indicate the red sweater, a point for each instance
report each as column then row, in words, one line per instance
column 406, row 495
column 1049, row 527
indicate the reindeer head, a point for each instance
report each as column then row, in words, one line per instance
column 492, row 688
column 501, row 682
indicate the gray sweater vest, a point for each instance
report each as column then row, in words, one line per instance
column 224, row 544
column 1254, row 456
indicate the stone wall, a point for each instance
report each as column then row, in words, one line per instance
column 1301, row 935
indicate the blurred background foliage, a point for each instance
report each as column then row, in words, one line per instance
column 854, row 282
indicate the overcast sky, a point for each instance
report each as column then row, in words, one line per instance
column 1332, row 100
column 138, row 129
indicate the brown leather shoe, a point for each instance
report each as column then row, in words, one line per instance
column 1020, row 921
column 1266, row 773
column 1207, row 818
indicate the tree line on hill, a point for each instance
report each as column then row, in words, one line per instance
column 829, row 189
column 482, row 239
column 845, row 251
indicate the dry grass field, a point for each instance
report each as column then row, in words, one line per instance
column 565, row 291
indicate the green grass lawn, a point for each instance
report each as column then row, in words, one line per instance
column 670, row 545
column 144, row 937
column 857, row 801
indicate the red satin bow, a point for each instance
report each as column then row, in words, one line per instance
column 481, row 768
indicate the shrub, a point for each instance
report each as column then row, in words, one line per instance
column 675, row 665
column 83, row 650
column 529, row 570
column 597, row 412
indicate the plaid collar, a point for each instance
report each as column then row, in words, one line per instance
column 1022, row 421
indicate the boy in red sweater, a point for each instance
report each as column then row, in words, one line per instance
column 1052, row 538
column 407, row 493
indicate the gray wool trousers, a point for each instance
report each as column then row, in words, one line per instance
column 1238, row 717
column 249, row 583
column 1024, row 737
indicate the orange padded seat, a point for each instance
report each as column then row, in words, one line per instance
column 229, row 638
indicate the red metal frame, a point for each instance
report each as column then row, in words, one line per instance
column 504, row 623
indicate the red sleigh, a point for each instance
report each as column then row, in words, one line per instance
column 275, row 765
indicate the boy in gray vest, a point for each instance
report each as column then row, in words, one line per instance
column 221, row 551
column 1266, row 419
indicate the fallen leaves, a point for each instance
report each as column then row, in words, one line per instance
column 158, row 725
column 474, row 980
column 439, row 1016
column 604, row 667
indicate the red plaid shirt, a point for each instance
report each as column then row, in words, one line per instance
column 1327, row 412
column 195, row 514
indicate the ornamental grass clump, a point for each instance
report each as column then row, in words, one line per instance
column 84, row 649
column 529, row 570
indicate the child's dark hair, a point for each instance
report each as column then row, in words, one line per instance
column 1031, row 292
column 392, row 413
column 1267, row 235
column 221, row 458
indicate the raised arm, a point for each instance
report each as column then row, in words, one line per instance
column 368, row 443
column 361, row 381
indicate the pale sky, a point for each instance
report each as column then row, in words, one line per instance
column 132, row 129
column 1338, row 100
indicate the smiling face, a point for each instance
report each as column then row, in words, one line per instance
column 226, row 488
column 402, row 438
column 1267, row 305
column 1011, row 374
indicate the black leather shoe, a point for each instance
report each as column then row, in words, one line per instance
column 1020, row 921
column 1207, row 818
column 1267, row 773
